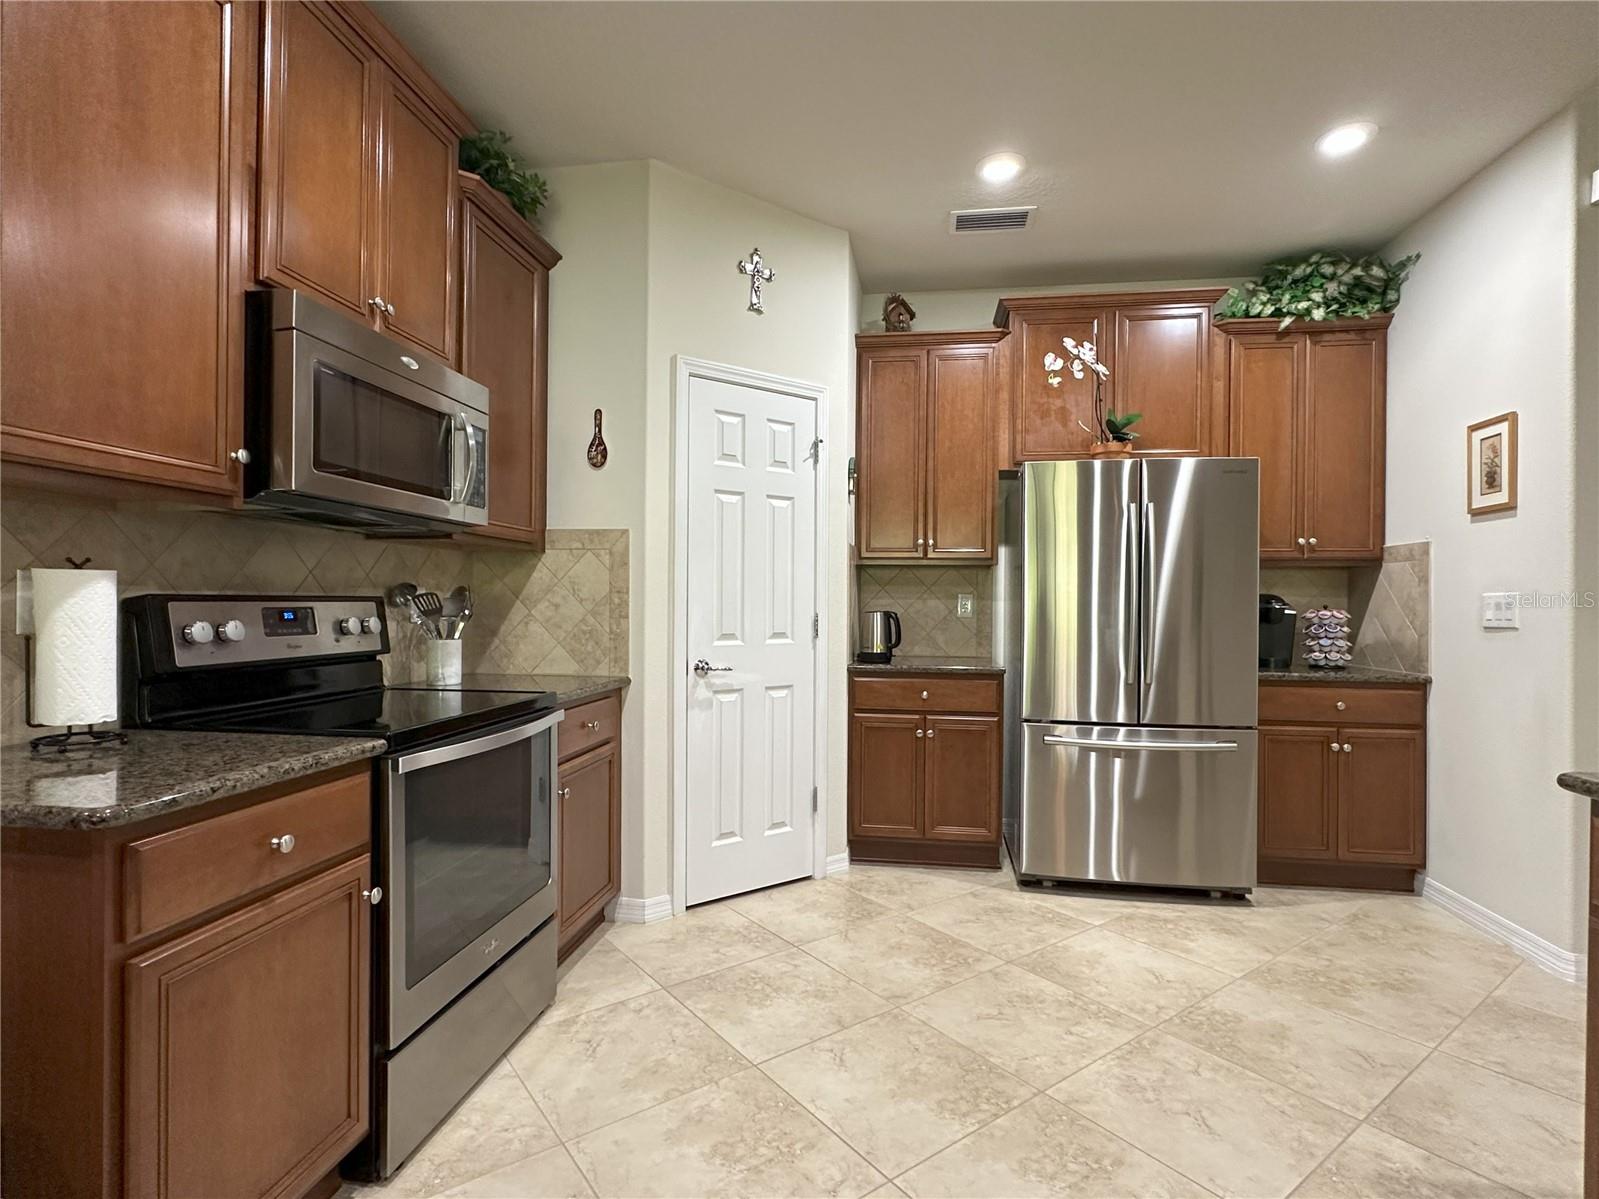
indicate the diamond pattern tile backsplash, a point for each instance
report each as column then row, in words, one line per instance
column 564, row 611
column 1389, row 605
column 925, row 598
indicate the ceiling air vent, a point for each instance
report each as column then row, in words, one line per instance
column 990, row 220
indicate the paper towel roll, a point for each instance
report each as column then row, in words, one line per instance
column 75, row 646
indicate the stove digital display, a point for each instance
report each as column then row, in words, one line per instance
column 288, row 622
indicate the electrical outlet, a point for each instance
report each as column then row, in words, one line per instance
column 963, row 604
column 1500, row 610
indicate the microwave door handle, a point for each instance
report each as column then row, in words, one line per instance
column 472, row 464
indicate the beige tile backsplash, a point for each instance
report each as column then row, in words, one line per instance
column 1389, row 605
column 564, row 611
column 925, row 598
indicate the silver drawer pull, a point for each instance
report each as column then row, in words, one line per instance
column 1335, row 747
column 283, row 844
column 1339, row 705
column 374, row 896
column 592, row 726
column 1202, row 747
column 921, row 732
column 924, row 695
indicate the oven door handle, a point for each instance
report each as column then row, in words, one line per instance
column 423, row 758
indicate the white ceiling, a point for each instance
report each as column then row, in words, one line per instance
column 1163, row 140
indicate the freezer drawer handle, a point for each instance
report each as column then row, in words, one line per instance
column 1203, row 747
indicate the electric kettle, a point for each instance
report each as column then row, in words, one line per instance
column 880, row 636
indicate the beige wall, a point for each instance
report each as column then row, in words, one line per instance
column 974, row 308
column 1489, row 323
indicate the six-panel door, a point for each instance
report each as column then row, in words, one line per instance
column 885, row 775
column 1298, row 804
column 247, row 1045
column 961, row 777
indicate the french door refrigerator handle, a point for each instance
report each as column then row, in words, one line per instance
column 1147, row 595
column 1130, row 621
column 1204, row 747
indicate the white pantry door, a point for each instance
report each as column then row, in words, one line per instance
column 751, row 595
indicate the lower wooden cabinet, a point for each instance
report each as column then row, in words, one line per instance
column 589, row 866
column 178, row 1021
column 1343, row 803
column 924, row 781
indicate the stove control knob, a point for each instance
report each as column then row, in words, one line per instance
column 198, row 632
column 230, row 630
column 371, row 624
column 348, row 625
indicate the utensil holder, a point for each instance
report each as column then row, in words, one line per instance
column 444, row 663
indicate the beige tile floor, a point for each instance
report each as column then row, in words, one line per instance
column 897, row 1031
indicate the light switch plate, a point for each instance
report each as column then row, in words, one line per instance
column 1500, row 610
column 963, row 604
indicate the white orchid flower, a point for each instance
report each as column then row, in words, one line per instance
column 1052, row 380
column 1071, row 346
column 1077, row 368
column 1053, row 362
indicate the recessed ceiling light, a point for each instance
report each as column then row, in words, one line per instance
column 1001, row 168
column 1345, row 139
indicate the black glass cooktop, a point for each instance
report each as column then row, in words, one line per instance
column 401, row 716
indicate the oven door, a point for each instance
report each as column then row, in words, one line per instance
column 467, row 836
column 350, row 431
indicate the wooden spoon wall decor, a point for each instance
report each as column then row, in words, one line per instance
column 598, row 452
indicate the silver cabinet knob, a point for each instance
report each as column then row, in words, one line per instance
column 284, row 843
column 1346, row 748
column 564, row 792
column 240, row 455
column 924, row 695
column 1312, row 541
column 376, row 302
column 921, row 732
column 230, row 630
column 930, row 732
column 592, row 726
column 389, row 308
column 1301, row 541
column 931, row 543
column 920, row 542
column 198, row 632
column 374, row 896
column 1340, row 705
column 1335, row 747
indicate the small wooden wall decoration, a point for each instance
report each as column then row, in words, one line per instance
column 598, row 453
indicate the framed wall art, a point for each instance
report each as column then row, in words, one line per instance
column 1491, row 465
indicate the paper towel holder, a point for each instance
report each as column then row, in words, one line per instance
column 74, row 737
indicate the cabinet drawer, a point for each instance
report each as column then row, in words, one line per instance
column 588, row 725
column 1320, row 703
column 187, row 871
column 928, row 693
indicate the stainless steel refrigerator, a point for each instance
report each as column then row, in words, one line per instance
column 1127, row 608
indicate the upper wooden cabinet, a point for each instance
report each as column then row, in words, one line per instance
column 1310, row 403
column 926, row 477
column 1159, row 348
column 125, row 136
column 358, row 195
column 505, row 297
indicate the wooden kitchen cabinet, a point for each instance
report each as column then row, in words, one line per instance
column 247, row 1044
column 126, row 133
column 924, row 767
column 504, row 345
column 925, row 473
column 589, row 819
column 358, row 192
column 1310, row 403
column 1342, row 784
column 191, row 1004
column 1159, row 348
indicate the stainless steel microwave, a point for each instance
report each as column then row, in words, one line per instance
column 348, row 427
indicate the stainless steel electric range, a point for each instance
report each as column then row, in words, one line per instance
column 463, row 823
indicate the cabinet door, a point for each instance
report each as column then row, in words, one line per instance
column 1162, row 370
column 319, row 145
column 961, row 478
column 1382, row 796
column 125, row 131
column 247, row 1045
column 504, row 335
column 1045, row 420
column 1344, row 442
column 1298, row 811
column 418, row 194
column 1265, row 396
column 590, row 861
column 890, row 459
column 885, row 775
column 961, row 778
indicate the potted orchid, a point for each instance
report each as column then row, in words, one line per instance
column 1112, row 434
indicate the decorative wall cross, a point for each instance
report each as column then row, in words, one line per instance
column 759, row 274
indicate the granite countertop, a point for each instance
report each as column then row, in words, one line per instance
column 1580, row 782
column 1349, row 674
column 569, row 689
column 928, row 665
column 156, row 773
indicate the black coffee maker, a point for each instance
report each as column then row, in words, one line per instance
column 1276, row 633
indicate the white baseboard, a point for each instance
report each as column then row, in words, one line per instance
column 1573, row 967
column 625, row 909
column 837, row 863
